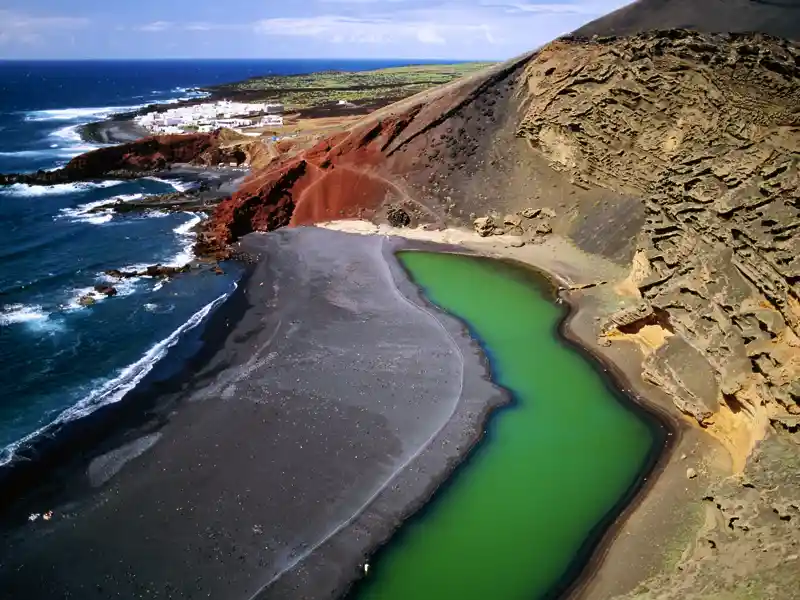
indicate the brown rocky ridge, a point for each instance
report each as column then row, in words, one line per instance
column 775, row 17
column 676, row 155
column 147, row 155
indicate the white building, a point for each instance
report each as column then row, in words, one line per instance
column 211, row 116
column 272, row 121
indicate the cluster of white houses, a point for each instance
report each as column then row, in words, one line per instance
column 212, row 116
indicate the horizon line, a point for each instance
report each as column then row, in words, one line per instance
column 396, row 58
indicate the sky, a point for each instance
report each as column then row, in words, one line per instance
column 413, row 29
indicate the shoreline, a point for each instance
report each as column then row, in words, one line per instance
column 58, row 448
column 599, row 575
column 413, row 493
column 659, row 423
column 78, row 494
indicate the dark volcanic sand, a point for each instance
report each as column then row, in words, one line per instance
column 333, row 408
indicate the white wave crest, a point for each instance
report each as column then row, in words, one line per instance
column 78, row 114
column 187, row 237
column 186, row 228
column 12, row 314
column 178, row 186
column 27, row 153
column 23, row 189
column 114, row 390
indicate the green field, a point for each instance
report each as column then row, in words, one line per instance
column 359, row 87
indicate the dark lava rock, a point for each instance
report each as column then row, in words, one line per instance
column 398, row 217
column 106, row 290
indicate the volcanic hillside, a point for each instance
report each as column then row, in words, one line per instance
column 674, row 153
column 774, row 17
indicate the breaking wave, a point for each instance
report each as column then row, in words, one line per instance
column 12, row 314
column 114, row 390
column 23, row 189
column 78, row 114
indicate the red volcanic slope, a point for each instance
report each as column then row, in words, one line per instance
column 388, row 157
column 338, row 178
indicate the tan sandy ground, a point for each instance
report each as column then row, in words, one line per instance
column 660, row 526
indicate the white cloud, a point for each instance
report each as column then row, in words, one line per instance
column 466, row 29
column 376, row 29
column 471, row 28
column 156, row 26
column 590, row 8
column 16, row 27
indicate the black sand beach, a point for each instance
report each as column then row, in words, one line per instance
column 320, row 417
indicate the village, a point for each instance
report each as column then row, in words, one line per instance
column 209, row 117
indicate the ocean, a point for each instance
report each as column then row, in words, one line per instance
column 59, row 360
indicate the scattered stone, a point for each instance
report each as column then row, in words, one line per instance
column 151, row 271
column 691, row 473
column 86, row 300
column 484, row 226
column 517, row 244
column 117, row 274
column 544, row 229
column 531, row 213
column 548, row 213
column 398, row 217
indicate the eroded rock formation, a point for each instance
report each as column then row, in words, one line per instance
column 673, row 152
column 706, row 129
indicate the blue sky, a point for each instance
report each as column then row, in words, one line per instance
column 458, row 29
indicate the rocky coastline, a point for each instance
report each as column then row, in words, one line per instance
column 134, row 159
column 677, row 228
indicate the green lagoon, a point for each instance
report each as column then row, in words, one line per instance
column 517, row 518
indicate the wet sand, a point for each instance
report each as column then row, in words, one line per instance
column 326, row 411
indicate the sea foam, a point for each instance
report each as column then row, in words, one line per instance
column 78, row 114
column 23, row 189
column 21, row 313
column 187, row 237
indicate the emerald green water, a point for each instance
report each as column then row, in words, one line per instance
column 513, row 522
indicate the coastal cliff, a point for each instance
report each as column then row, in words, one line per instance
column 673, row 154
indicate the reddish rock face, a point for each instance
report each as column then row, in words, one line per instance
column 141, row 156
column 348, row 175
column 147, row 154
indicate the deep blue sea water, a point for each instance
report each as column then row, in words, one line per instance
column 59, row 360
